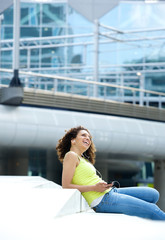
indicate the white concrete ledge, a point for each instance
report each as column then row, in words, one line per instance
column 33, row 208
column 40, row 196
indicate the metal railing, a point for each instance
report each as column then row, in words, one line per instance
column 88, row 88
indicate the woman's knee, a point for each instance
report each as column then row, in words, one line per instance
column 155, row 195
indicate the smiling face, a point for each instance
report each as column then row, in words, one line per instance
column 82, row 140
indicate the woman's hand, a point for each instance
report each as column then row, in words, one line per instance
column 102, row 186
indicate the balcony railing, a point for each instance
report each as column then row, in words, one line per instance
column 89, row 88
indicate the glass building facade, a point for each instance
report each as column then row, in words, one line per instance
column 56, row 39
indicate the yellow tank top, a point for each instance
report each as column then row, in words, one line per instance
column 85, row 174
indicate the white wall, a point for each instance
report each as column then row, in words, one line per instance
column 35, row 127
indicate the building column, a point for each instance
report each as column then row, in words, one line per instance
column 3, row 162
column 13, row 162
column 159, row 181
column 54, row 167
column 17, row 162
column 102, row 171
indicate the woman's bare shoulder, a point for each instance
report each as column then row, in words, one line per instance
column 71, row 156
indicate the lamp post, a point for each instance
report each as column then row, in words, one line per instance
column 13, row 95
column 15, row 82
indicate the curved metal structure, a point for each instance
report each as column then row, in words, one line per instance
column 119, row 136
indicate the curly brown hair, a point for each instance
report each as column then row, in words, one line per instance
column 64, row 145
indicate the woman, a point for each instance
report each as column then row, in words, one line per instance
column 76, row 151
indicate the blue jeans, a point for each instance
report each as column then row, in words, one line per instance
column 134, row 201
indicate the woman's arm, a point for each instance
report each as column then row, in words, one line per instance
column 69, row 165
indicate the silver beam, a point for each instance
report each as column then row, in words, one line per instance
column 96, row 55
column 111, row 28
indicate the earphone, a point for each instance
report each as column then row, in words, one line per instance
column 73, row 141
